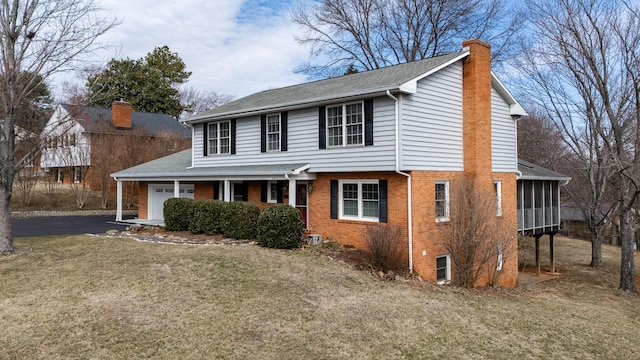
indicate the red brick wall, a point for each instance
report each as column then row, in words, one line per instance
column 349, row 232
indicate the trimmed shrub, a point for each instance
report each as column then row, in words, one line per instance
column 177, row 214
column 238, row 220
column 206, row 217
column 280, row 227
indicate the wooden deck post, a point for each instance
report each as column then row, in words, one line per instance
column 552, row 267
column 537, row 237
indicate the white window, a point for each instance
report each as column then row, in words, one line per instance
column 359, row 200
column 219, row 138
column 442, row 200
column 273, row 132
column 77, row 175
column 72, row 139
column 345, row 125
column 443, row 269
column 497, row 186
column 272, row 194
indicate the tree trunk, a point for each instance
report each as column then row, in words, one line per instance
column 6, row 237
column 596, row 249
column 627, row 267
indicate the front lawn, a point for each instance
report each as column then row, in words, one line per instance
column 95, row 297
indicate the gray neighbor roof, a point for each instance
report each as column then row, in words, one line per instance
column 534, row 172
column 178, row 166
column 93, row 119
column 368, row 82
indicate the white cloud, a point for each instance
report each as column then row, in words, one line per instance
column 231, row 47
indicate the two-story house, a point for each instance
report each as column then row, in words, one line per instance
column 78, row 138
column 382, row 146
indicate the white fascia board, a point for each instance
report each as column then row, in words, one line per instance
column 411, row 86
column 307, row 103
column 515, row 108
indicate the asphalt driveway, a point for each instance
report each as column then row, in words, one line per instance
column 63, row 225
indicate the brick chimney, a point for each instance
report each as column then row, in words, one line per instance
column 121, row 114
column 476, row 110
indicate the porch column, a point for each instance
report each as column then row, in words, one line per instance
column 119, row 201
column 227, row 191
column 176, row 189
column 292, row 193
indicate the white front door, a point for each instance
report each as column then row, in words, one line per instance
column 158, row 194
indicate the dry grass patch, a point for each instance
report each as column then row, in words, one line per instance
column 91, row 297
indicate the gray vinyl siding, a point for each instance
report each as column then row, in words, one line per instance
column 503, row 135
column 303, row 144
column 431, row 134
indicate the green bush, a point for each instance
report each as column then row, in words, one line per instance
column 177, row 214
column 280, row 227
column 238, row 220
column 206, row 217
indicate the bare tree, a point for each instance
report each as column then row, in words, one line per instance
column 39, row 38
column 477, row 240
column 371, row 34
column 195, row 101
column 586, row 74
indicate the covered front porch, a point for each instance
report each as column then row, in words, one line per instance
column 172, row 176
column 538, row 202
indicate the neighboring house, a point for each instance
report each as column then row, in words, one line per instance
column 382, row 146
column 78, row 139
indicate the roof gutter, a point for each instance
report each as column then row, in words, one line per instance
column 408, row 176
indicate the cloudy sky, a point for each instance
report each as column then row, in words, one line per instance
column 235, row 47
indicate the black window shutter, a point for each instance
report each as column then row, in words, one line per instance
column 283, row 130
column 280, row 195
column 216, row 190
column 322, row 128
column 368, row 122
column 264, row 190
column 245, row 191
column 334, row 199
column 383, row 215
column 233, row 136
column 263, row 133
column 205, row 139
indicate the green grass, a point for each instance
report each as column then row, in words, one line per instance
column 92, row 297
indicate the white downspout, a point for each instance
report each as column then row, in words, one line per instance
column 409, row 207
column 518, row 172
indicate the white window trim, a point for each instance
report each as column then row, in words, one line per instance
column 269, row 198
column 270, row 133
column 498, row 188
column 446, row 201
column 344, row 124
column 218, row 138
column 448, row 270
column 360, row 217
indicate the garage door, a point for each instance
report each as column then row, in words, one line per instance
column 158, row 194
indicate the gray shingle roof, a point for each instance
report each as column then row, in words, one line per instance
column 94, row 119
column 534, row 172
column 177, row 166
column 380, row 80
